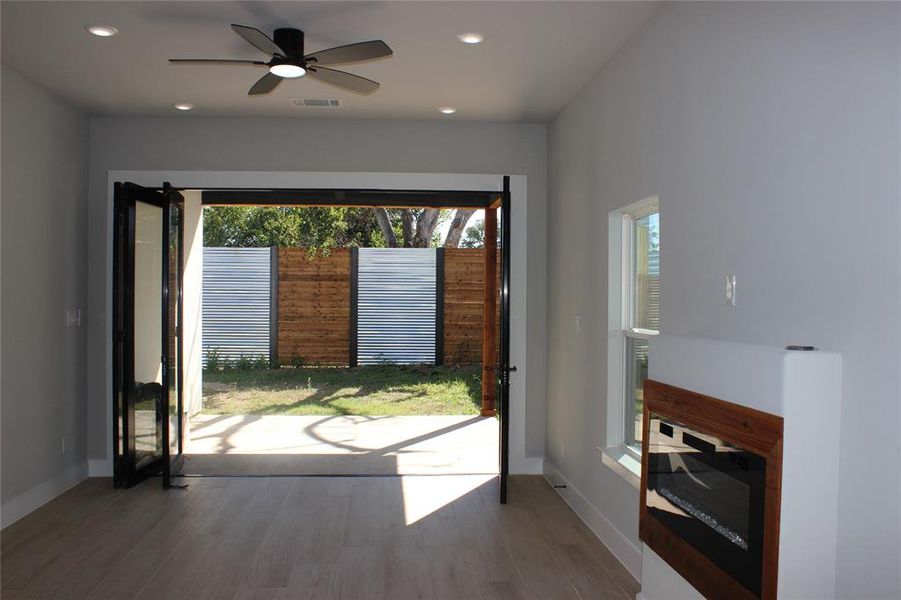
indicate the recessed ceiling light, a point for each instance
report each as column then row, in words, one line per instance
column 287, row 71
column 183, row 106
column 473, row 37
column 102, row 30
column 448, row 110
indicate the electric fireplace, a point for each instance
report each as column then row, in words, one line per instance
column 711, row 477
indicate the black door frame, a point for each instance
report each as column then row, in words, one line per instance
column 504, row 368
column 172, row 465
column 125, row 197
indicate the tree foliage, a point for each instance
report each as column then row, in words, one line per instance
column 474, row 236
column 314, row 228
column 321, row 228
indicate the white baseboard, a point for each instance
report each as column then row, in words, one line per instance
column 34, row 498
column 100, row 467
column 530, row 465
column 618, row 544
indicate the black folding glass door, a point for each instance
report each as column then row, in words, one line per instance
column 148, row 414
column 504, row 367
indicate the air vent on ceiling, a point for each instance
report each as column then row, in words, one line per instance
column 316, row 102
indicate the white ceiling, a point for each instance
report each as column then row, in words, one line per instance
column 535, row 57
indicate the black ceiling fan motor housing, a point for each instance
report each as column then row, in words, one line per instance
column 289, row 40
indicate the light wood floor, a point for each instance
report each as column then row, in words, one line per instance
column 391, row 538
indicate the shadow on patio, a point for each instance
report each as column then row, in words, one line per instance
column 341, row 445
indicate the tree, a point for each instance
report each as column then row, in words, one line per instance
column 361, row 230
column 417, row 227
column 384, row 221
column 475, row 236
column 321, row 228
column 461, row 218
column 314, row 228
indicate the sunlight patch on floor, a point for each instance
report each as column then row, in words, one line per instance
column 426, row 495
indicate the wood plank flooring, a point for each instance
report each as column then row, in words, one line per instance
column 391, row 538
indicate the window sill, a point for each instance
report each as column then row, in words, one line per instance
column 622, row 462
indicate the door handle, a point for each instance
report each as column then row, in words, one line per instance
column 511, row 369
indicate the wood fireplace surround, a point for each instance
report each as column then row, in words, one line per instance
column 740, row 427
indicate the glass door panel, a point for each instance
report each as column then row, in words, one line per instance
column 146, row 397
column 147, row 349
column 176, row 413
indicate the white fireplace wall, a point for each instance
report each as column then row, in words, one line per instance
column 804, row 388
column 770, row 132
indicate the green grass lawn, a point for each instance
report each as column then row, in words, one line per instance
column 371, row 390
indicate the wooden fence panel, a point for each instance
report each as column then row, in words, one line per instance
column 314, row 307
column 464, row 281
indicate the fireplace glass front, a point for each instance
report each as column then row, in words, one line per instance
column 711, row 494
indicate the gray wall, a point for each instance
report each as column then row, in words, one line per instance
column 771, row 133
column 296, row 145
column 44, row 273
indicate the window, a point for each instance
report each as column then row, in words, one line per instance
column 643, row 319
column 633, row 318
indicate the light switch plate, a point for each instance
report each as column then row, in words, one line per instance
column 730, row 290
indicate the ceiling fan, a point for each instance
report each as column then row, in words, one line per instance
column 287, row 60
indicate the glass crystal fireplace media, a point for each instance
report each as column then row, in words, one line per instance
column 709, row 492
column 708, row 520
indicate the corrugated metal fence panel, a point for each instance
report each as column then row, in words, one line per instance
column 236, row 302
column 396, row 305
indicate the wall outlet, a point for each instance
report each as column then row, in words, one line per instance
column 73, row 317
column 577, row 324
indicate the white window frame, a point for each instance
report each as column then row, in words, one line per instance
column 616, row 453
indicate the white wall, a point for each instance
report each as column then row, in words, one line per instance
column 327, row 146
column 44, row 274
column 770, row 132
column 192, row 301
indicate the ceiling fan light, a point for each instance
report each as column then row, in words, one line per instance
column 448, row 110
column 287, row 71
column 183, row 106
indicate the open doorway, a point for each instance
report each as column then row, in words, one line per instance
column 369, row 348
column 342, row 340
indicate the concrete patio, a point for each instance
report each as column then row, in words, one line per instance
column 341, row 445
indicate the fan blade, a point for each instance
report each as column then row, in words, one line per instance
column 258, row 40
column 213, row 61
column 341, row 79
column 351, row 53
column 265, row 84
